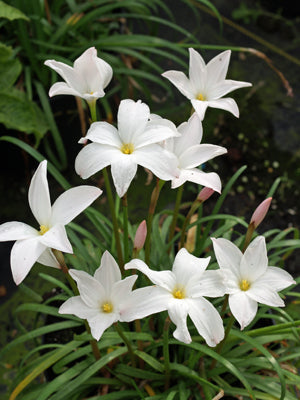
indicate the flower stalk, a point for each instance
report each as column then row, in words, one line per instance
column 166, row 352
column 127, row 343
column 125, row 227
column 175, row 214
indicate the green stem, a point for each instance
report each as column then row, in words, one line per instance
column 175, row 214
column 196, row 204
column 166, row 353
column 248, row 237
column 93, row 110
column 61, row 260
column 125, row 227
column 221, row 344
column 114, row 219
column 127, row 343
column 153, row 203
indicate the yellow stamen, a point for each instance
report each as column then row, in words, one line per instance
column 178, row 294
column 43, row 229
column 244, row 285
column 200, row 97
column 127, row 148
column 107, row 307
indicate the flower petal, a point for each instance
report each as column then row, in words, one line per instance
column 181, row 82
column 165, row 279
column 104, row 133
column 276, row 278
column 191, row 134
column 228, row 255
column 91, row 291
column 197, row 72
column 76, row 306
column 62, row 88
column 132, row 120
column 72, row 202
column 47, row 258
column 200, row 107
column 123, row 171
column 217, row 68
column 161, row 162
column 265, row 294
column 143, row 302
column 195, row 175
column 178, row 311
column 155, row 132
column 93, row 158
column 121, row 290
column 243, row 308
column 207, row 320
column 225, row 87
column 254, row 262
column 56, row 238
column 69, row 74
column 199, row 154
column 109, row 272
column 211, row 284
column 226, row 104
column 38, row 195
column 16, row 231
column 24, row 254
column 101, row 322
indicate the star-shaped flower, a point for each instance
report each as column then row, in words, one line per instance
column 35, row 244
column 87, row 79
column 104, row 298
column 191, row 154
column 134, row 143
column 248, row 278
column 181, row 292
column 206, row 84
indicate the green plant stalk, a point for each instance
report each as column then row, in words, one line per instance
column 114, row 219
column 221, row 344
column 61, row 260
column 93, row 109
column 166, row 353
column 125, row 227
column 196, row 204
column 152, row 207
column 205, row 388
column 127, row 343
column 175, row 214
column 248, row 236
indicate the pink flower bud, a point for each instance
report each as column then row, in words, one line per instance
column 260, row 212
column 140, row 236
column 205, row 194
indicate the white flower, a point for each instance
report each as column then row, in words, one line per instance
column 206, row 83
column 35, row 245
column 248, row 278
column 181, row 292
column 87, row 79
column 190, row 154
column 104, row 298
column 134, row 143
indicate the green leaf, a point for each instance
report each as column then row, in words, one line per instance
column 18, row 112
column 10, row 68
column 10, row 12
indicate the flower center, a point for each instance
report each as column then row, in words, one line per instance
column 127, row 148
column 244, row 285
column 178, row 293
column 107, row 307
column 200, row 97
column 43, row 229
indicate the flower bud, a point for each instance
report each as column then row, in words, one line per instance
column 140, row 236
column 205, row 194
column 260, row 212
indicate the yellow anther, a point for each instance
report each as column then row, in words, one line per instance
column 244, row 285
column 178, row 294
column 127, row 148
column 200, row 97
column 107, row 307
column 43, row 229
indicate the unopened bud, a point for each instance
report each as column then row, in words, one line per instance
column 140, row 236
column 260, row 212
column 205, row 194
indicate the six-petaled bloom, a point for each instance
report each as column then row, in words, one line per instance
column 134, row 143
column 87, row 78
column 248, row 278
column 206, row 84
column 35, row 244
column 181, row 292
column 191, row 154
column 104, row 298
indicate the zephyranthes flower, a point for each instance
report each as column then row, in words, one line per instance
column 206, row 84
column 191, row 154
column 134, row 143
column 35, row 244
column 87, row 79
column 248, row 278
column 181, row 292
column 104, row 298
